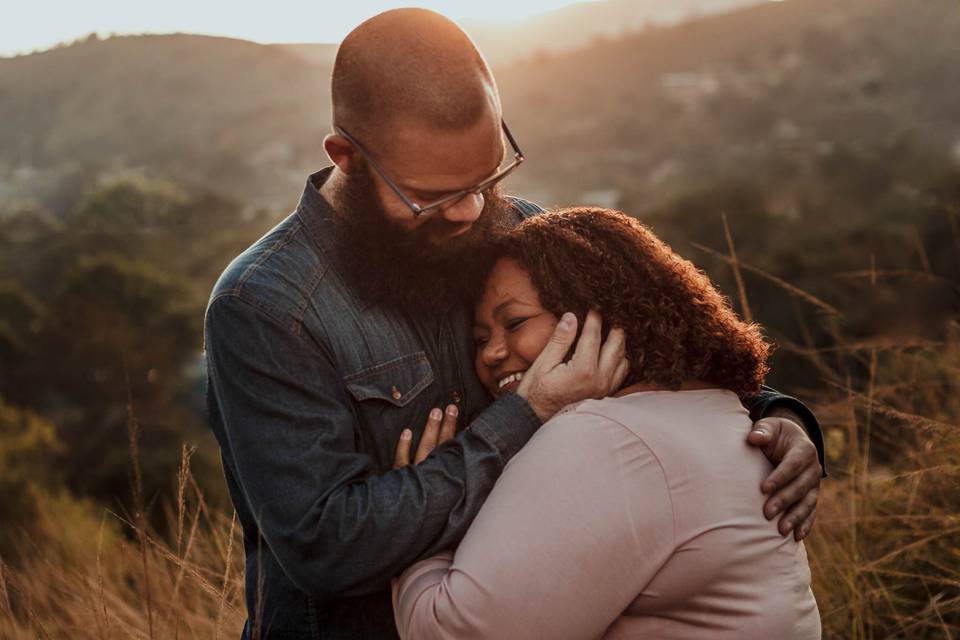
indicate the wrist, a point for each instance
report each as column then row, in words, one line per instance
column 543, row 410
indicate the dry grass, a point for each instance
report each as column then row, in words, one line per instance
column 83, row 576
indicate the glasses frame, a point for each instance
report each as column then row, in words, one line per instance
column 454, row 197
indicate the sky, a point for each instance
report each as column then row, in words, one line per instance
column 39, row 24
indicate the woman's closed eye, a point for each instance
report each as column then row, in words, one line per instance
column 515, row 323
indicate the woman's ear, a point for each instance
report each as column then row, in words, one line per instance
column 340, row 152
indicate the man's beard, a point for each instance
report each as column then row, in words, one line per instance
column 394, row 267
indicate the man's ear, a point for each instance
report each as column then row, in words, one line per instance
column 340, row 152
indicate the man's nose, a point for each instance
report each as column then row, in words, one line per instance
column 465, row 210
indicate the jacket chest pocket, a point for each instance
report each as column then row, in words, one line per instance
column 385, row 394
column 395, row 382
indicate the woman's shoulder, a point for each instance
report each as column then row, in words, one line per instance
column 644, row 410
column 676, row 427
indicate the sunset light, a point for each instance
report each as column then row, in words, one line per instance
column 30, row 26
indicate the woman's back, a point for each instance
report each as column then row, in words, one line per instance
column 631, row 517
column 730, row 570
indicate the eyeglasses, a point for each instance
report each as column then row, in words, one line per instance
column 447, row 200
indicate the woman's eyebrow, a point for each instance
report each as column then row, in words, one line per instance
column 500, row 307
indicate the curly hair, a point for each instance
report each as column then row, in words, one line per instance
column 678, row 326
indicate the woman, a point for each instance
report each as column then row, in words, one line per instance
column 636, row 515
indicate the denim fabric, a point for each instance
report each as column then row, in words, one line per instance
column 308, row 391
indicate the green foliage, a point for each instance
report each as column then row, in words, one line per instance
column 28, row 446
column 130, row 203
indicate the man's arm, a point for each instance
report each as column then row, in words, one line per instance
column 335, row 527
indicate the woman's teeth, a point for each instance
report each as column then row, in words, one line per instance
column 513, row 377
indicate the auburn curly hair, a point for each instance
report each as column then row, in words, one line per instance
column 678, row 326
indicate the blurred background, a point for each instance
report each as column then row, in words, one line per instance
column 805, row 153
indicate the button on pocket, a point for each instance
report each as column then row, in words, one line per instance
column 396, row 381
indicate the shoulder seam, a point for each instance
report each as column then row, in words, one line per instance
column 268, row 311
column 284, row 241
column 666, row 482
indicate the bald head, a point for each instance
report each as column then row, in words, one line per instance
column 409, row 65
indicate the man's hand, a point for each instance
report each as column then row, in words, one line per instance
column 440, row 427
column 594, row 371
column 794, row 483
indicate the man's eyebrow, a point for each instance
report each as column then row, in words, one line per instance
column 434, row 192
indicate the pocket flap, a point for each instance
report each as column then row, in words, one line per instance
column 396, row 381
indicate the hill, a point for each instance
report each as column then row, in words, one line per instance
column 765, row 91
column 228, row 114
column 579, row 24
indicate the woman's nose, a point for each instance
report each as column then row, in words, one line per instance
column 494, row 352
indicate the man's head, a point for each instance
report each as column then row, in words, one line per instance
column 410, row 86
column 414, row 96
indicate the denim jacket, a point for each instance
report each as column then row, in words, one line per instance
column 308, row 391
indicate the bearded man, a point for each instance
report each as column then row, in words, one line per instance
column 349, row 323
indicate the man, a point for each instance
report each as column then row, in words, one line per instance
column 349, row 322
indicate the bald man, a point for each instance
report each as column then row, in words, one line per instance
column 349, row 323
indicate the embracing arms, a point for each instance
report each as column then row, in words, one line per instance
column 287, row 433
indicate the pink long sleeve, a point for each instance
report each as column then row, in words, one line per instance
column 556, row 551
column 632, row 517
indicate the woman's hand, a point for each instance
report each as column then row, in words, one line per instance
column 441, row 426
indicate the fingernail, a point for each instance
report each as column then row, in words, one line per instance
column 566, row 321
column 406, row 434
column 768, row 487
column 452, row 410
column 436, row 414
column 761, row 432
column 775, row 508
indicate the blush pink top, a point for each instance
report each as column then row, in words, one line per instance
column 631, row 517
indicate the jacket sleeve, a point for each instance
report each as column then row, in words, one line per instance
column 287, row 430
column 761, row 404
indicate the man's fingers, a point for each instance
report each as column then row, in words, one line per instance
column 448, row 428
column 792, row 519
column 611, row 353
column 402, row 456
column 779, row 480
column 785, row 498
column 620, row 375
column 803, row 530
column 587, row 350
column 431, row 434
column 558, row 345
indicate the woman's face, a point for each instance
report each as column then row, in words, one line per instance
column 510, row 328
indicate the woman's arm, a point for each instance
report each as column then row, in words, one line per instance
column 577, row 525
